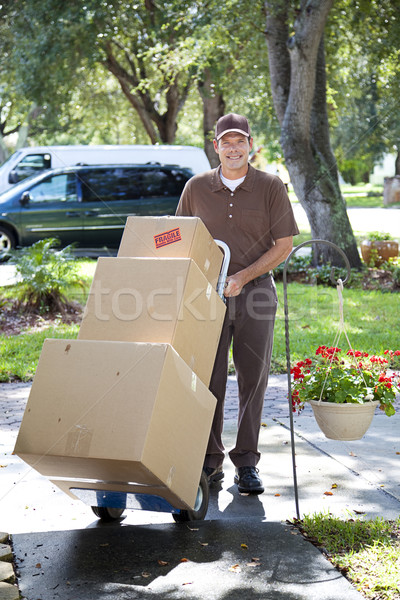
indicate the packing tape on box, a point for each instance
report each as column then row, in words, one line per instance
column 79, row 441
column 170, row 476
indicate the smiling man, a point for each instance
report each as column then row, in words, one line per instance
column 250, row 211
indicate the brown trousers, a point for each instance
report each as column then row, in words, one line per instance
column 249, row 322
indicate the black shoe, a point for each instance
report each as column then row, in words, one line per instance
column 248, row 481
column 214, row 474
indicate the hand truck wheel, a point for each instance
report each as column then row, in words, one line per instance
column 201, row 506
column 106, row 514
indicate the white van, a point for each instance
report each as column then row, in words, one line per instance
column 27, row 161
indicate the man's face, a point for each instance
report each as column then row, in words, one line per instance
column 233, row 150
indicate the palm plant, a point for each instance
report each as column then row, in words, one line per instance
column 44, row 274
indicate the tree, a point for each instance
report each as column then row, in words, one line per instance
column 17, row 114
column 357, row 137
column 143, row 46
column 149, row 59
column 363, row 55
column 231, row 65
column 96, row 112
column 295, row 40
column 213, row 109
column 155, row 53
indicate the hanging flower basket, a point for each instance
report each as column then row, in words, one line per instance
column 344, row 390
column 343, row 422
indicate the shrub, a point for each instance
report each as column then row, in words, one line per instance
column 355, row 171
column 44, row 275
column 378, row 236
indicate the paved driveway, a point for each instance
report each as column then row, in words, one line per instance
column 362, row 219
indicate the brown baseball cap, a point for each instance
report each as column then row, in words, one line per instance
column 232, row 122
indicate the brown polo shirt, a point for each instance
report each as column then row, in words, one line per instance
column 249, row 219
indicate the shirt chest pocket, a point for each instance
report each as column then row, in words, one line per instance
column 254, row 221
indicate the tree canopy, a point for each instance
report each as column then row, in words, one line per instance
column 123, row 71
column 363, row 73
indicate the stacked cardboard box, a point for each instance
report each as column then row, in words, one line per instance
column 172, row 237
column 126, row 406
column 159, row 300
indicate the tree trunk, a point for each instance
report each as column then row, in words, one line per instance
column 4, row 152
column 166, row 123
column 299, row 95
column 397, row 162
column 213, row 109
column 143, row 114
column 159, row 126
column 24, row 129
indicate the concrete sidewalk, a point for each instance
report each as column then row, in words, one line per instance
column 63, row 552
column 229, row 559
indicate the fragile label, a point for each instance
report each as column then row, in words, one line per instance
column 168, row 237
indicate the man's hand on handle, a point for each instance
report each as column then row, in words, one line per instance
column 233, row 285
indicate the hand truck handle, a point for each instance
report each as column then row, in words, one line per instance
column 224, row 269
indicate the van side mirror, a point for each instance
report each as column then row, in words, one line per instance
column 25, row 198
column 13, row 176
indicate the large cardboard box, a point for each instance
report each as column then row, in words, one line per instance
column 172, row 237
column 159, row 300
column 120, row 416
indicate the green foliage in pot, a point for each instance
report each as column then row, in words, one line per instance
column 378, row 248
column 378, row 236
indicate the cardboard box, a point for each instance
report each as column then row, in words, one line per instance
column 125, row 415
column 172, row 237
column 158, row 300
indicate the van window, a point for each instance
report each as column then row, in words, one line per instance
column 31, row 164
column 163, row 182
column 59, row 188
column 110, row 184
column 114, row 184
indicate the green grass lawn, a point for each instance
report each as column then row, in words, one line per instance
column 371, row 320
column 364, row 195
column 19, row 354
column 367, row 552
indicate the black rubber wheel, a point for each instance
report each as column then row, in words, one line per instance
column 107, row 514
column 7, row 242
column 200, row 508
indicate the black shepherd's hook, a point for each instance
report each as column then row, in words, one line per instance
column 346, row 260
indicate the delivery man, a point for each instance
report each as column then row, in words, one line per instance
column 250, row 211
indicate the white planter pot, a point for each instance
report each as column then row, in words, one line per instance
column 344, row 422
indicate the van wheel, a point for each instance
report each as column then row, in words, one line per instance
column 201, row 506
column 107, row 514
column 7, row 242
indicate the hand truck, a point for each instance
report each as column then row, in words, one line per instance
column 110, row 506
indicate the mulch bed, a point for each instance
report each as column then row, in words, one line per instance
column 15, row 320
column 372, row 279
